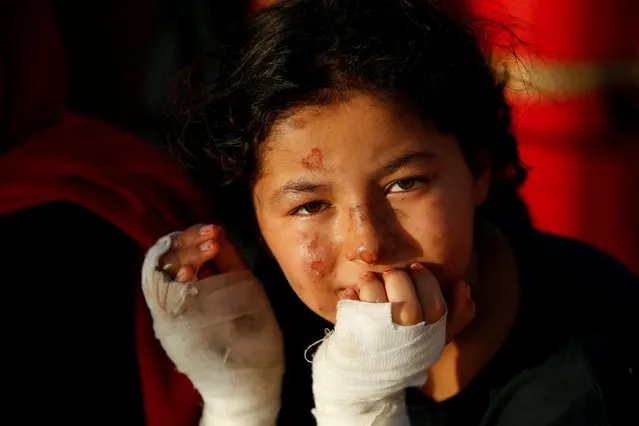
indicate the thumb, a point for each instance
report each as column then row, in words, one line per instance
column 461, row 309
column 228, row 258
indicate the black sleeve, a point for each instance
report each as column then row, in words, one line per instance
column 69, row 285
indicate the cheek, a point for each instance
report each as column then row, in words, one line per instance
column 443, row 228
column 315, row 257
column 305, row 258
column 309, row 267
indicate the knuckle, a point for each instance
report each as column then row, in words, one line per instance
column 435, row 310
column 396, row 273
column 440, row 307
column 411, row 316
column 472, row 312
column 169, row 263
column 176, row 242
column 371, row 291
column 195, row 228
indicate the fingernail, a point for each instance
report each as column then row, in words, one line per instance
column 349, row 293
column 206, row 246
column 416, row 266
column 469, row 291
column 206, row 230
column 181, row 275
column 367, row 276
column 387, row 270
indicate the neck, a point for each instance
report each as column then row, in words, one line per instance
column 495, row 290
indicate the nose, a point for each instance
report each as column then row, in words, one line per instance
column 366, row 235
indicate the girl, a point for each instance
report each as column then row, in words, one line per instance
column 370, row 143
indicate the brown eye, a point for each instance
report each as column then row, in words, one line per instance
column 310, row 208
column 406, row 184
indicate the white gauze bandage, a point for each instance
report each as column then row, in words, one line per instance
column 361, row 369
column 220, row 332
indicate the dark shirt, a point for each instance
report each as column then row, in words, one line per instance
column 571, row 358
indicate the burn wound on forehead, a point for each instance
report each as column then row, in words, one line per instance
column 314, row 161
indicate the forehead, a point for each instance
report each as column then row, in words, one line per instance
column 360, row 131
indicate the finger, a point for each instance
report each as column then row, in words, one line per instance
column 401, row 292
column 185, row 274
column 169, row 263
column 198, row 255
column 349, row 294
column 461, row 309
column 371, row 289
column 206, row 270
column 193, row 257
column 429, row 293
column 228, row 258
column 194, row 236
column 194, row 260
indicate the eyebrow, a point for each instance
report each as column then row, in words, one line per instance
column 296, row 187
column 405, row 159
column 301, row 186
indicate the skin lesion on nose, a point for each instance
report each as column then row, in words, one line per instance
column 357, row 213
column 367, row 255
column 371, row 233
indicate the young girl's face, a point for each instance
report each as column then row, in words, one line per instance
column 360, row 186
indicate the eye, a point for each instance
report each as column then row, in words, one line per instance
column 405, row 185
column 309, row 209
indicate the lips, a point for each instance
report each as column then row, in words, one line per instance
column 379, row 272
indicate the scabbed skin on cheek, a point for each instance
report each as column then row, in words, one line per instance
column 319, row 268
column 313, row 257
column 314, row 281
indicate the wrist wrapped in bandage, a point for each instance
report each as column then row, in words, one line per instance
column 360, row 371
column 221, row 333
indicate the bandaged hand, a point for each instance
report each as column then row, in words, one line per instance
column 219, row 330
column 387, row 334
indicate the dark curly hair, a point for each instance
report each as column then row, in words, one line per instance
column 309, row 52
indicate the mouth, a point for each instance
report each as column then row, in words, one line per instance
column 379, row 273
